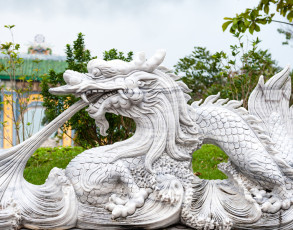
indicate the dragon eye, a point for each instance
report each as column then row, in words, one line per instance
column 140, row 83
column 96, row 72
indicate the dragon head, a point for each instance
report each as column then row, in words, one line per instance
column 144, row 91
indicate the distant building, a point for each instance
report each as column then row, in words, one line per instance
column 35, row 112
column 39, row 46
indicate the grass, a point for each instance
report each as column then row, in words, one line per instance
column 204, row 162
column 44, row 159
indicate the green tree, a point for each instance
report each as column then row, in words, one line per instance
column 234, row 75
column 86, row 132
column 201, row 71
column 251, row 19
column 18, row 90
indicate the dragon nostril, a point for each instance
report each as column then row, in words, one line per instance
column 96, row 72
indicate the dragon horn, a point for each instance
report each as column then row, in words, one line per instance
column 151, row 64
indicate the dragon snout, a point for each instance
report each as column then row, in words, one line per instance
column 72, row 77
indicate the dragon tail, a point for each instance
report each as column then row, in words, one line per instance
column 269, row 102
column 54, row 202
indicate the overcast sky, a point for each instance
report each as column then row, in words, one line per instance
column 137, row 25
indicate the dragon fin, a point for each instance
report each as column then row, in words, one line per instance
column 269, row 102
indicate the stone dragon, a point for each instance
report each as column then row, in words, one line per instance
column 146, row 181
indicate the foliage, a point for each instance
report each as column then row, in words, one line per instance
column 251, row 19
column 44, row 159
column 205, row 161
column 233, row 75
column 87, row 133
column 18, row 91
column 201, row 72
column 288, row 32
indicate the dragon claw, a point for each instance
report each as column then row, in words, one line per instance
column 126, row 207
column 168, row 189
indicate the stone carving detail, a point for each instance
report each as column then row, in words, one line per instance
column 147, row 181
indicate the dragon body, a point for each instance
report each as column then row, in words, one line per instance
column 146, row 181
column 237, row 134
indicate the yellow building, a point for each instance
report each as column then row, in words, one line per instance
column 11, row 102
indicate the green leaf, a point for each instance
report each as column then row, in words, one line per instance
column 246, row 23
column 257, row 28
column 241, row 25
column 225, row 25
column 253, row 14
column 290, row 16
column 9, row 26
column 266, row 9
column 251, row 28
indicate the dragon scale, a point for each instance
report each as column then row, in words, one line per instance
column 223, row 126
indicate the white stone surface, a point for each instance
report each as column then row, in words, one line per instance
column 147, row 181
column 51, row 142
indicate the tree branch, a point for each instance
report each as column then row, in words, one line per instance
column 287, row 23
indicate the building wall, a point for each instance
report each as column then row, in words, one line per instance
column 8, row 116
column 8, row 132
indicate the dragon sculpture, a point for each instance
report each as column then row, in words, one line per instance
column 146, row 181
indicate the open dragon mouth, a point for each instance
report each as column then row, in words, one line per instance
column 107, row 101
column 103, row 95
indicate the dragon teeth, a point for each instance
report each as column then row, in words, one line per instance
column 83, row 97
column 120, row 91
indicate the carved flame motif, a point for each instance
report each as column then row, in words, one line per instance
column 147, row 181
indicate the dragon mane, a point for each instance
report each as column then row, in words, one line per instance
column 163, row 120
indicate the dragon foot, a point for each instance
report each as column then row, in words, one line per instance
column 273, row 201
column 274, row 204
column 168, row 189
column 121, row 207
